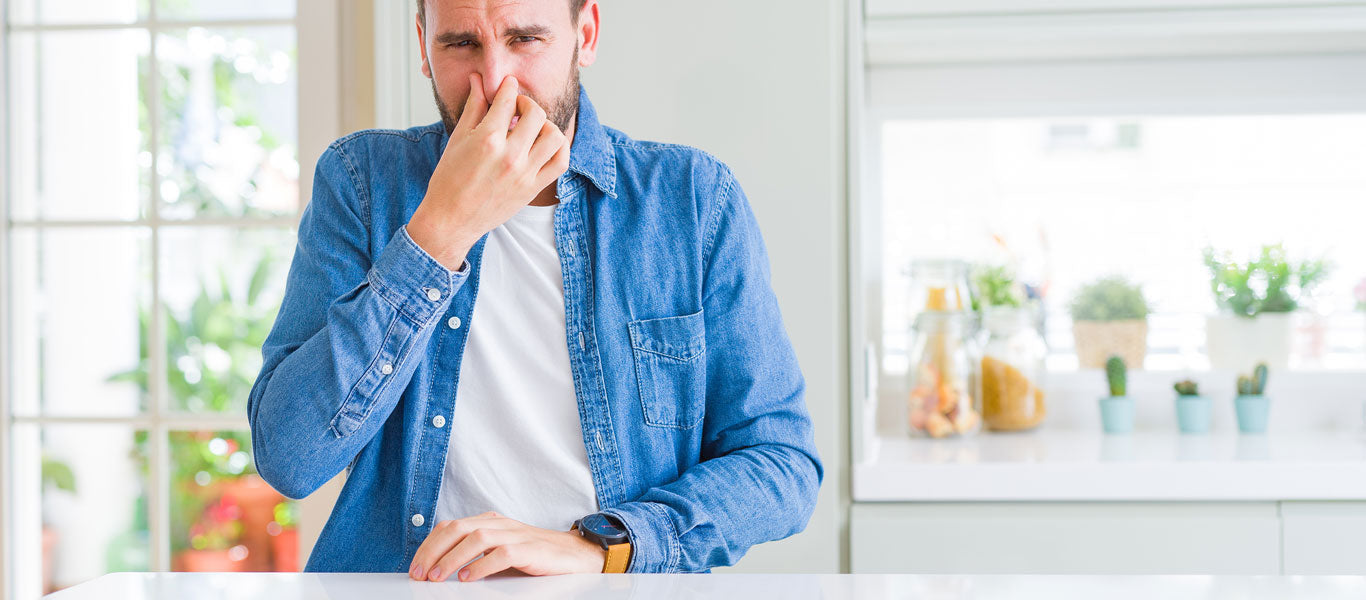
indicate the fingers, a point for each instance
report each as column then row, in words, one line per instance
column 547, row 143
column 476, row 105
column 445, row 536
column 502, row 108
column 559, row 163
column 497, row 560
column 528, row 126
column 480, row 541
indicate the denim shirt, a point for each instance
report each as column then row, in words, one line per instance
column 689, row 394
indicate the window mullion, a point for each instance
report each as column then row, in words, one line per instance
column 8, row 585
column 158, row 501
column 243, row 223
column 152, row 23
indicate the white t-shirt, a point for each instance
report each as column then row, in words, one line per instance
column 516, row 445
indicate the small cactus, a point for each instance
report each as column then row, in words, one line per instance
column 1187, row 388
column 1117, row 375
column 1254, row 384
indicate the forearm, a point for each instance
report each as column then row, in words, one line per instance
column 719, row 508
column 316, row 404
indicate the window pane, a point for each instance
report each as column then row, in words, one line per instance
column 80, row 500
column 224, row 517
column 76, row 11
column 77, row 149
column 1070, row 200
column 221, row 288
column 229, row 108
column 218, row 9
column 79, row 296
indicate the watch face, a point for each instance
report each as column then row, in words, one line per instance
column 602, row 526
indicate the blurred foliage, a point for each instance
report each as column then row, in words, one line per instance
column 213, row 355
column 1266, row 283
column 1109, row 299
column 996, row 286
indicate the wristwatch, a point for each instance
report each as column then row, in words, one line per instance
column 607, row 531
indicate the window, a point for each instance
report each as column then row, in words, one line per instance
column 1082, row 138
column 152, row 175
column 1072, row 199
column 1072, row 139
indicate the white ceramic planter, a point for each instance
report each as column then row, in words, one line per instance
column 1239, row 343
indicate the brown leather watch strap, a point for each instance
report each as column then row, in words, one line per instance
column 618, row 558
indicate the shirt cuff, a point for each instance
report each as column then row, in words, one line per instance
column 414, row 282
column 654, row 541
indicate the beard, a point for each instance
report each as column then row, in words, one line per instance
column 561, row 111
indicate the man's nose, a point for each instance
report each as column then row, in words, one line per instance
column 495, row 69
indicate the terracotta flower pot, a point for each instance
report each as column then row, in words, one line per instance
column 257, row 501
column 50, row 539
column 285, row 550
column 209, row 561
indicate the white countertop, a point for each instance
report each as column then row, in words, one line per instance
column 397, row 586
column 1091, row 466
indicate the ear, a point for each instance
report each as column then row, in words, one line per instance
column 587, row 28
column 422, row 45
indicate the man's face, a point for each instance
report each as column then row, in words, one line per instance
column 535, row 41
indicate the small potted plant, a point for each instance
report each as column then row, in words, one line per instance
column 1193, row 411
column 1255, row 301
column 1252, row 406
column 1117, row 410
column 1110, row 317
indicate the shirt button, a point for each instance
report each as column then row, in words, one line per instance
column 418, row 520
column 433, row 294
column 453, row 322
column 438, row 421
column 386, row 369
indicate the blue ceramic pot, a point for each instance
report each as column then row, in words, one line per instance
column 1194, row 413
column 1117, row 414
column 1253, row 413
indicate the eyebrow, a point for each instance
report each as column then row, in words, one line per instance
column 455, row 37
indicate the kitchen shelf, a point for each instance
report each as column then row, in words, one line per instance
column 1063, row 465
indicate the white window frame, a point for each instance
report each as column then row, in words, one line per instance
column 935, row 59
column 316, row 25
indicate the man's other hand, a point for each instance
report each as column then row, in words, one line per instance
column 505, row 544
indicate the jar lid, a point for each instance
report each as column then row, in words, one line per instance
column 936, row 320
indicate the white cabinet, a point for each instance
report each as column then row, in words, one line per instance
column 1324, row 538
column 1220, row 538
column 1066, row 537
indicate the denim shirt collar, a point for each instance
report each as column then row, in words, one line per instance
column 591, row 155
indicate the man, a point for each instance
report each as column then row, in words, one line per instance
column 532, row 342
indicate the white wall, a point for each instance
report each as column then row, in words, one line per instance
column 761, row 86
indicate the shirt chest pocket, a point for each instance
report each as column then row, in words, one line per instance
column 671, row 369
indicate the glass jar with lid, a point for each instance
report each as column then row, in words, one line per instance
column 943, row 400
column 939, row 285
column 1012, row 370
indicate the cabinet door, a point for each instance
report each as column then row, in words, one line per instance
column 1324, row 538
column 1064, row 538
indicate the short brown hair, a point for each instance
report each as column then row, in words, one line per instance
column 574, row 7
